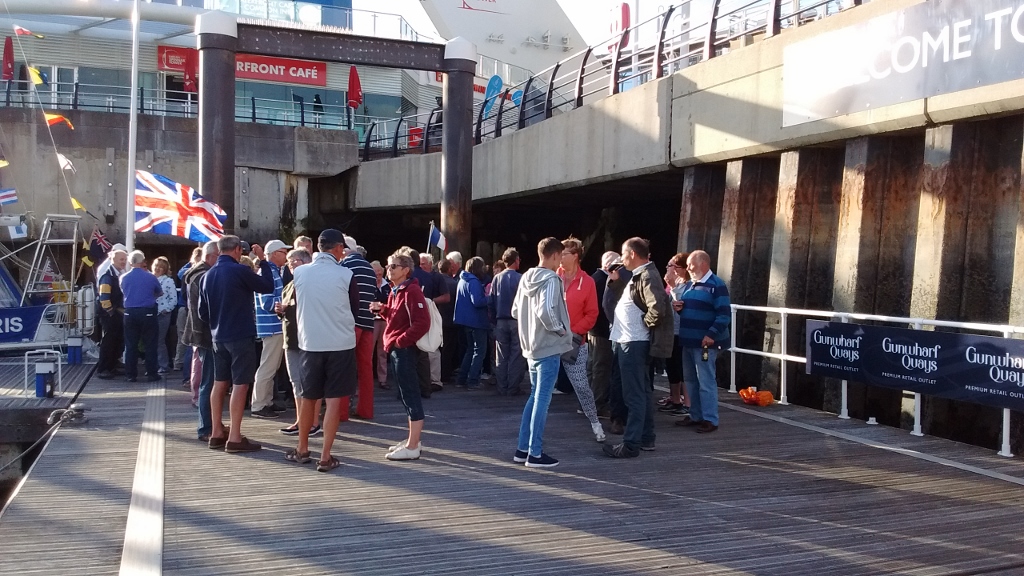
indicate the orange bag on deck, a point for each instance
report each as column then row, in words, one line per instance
column 756, row 397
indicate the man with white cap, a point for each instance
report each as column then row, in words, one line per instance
column 270, row 331
column 111, row 310
column 366, row 280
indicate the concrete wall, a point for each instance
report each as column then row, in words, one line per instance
column 274, row 165
column 619, row 137
column 721, row 110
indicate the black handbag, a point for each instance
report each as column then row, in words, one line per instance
column 570, row 356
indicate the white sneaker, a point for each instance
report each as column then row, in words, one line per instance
column 404, row 453
column 598, row 431
column 401, row 444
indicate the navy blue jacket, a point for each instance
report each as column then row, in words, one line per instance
column 471, row 302
column 225, row 298
column 503, row 293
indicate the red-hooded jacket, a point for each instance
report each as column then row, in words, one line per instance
column 581, row 300
column 406, row 316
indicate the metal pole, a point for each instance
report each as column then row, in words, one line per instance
column 133, row 135
column 217, row 35
column 457, row 144
column 732, row 355
column 782, row 379
column 1005, row 452
column 844, row 409
column 917, row 401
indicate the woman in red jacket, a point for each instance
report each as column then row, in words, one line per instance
column 581, row 300
column 407, row 319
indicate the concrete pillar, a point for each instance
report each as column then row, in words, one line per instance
column 457, row 145
column 874, row 252
column 745, row 251
column 700, row 214
column 966, row 238
column 803, row 256
column 217, row 35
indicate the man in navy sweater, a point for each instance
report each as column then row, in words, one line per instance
column 509, row 363
column 141, row 289
column 704, row 317
column 225, row 304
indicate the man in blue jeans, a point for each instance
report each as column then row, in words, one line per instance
column 196, row 335
column 704, row 318
column 642, row 327
column 544, row 336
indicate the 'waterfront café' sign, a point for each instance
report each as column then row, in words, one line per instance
column 935, row 47
column 978, row 369
column 254, row 67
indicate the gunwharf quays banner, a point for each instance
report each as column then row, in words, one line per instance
column 936, row 47
column 979, row 369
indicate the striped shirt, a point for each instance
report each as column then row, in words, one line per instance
column 365, row 278
column 268, row 323
column 706, row 312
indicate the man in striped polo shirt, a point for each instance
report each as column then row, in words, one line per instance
column 269, row 330
column 366, row 280
column 704, row 318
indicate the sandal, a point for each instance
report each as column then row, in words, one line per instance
column 328, row 465
column 299, row 457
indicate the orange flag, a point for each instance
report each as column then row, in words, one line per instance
column 52, row 119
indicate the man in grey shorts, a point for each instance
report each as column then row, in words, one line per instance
column 326, row 298
column 292, row 354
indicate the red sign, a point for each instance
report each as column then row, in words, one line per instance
column 253, row 67
column 620, row 23
column 172, row 58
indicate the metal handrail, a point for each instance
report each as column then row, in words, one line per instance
column 1007, row 330
column 592, row 71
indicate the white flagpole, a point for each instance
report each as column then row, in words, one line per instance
column 133, row 134
column 430, row 236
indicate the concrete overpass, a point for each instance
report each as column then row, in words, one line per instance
column 727, row 108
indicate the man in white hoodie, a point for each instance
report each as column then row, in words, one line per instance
column 539, row 307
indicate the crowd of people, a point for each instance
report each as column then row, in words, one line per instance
column 319, row 319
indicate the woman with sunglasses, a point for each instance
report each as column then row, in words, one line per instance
column 677, row 402
column 406, row 320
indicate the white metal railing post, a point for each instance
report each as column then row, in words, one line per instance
column 846, row 317
column 844, row 408
column 1005, row 452
column 917, row 401
column 732, row 355
column 782, row 379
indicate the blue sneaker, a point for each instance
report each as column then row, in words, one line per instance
column 544, row 461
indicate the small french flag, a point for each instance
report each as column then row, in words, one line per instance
column 436, row 238
column 8, row 196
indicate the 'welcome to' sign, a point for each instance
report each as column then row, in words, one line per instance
column 935, row 47
column 979, row 369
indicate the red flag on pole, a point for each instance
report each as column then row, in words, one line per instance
column 8, row 62
column 355, row 89
column 191, row 71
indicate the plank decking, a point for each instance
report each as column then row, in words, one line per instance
column 800, row 492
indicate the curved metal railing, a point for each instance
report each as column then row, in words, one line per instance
column 675, row 38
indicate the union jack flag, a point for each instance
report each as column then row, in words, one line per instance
column 164, row 206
